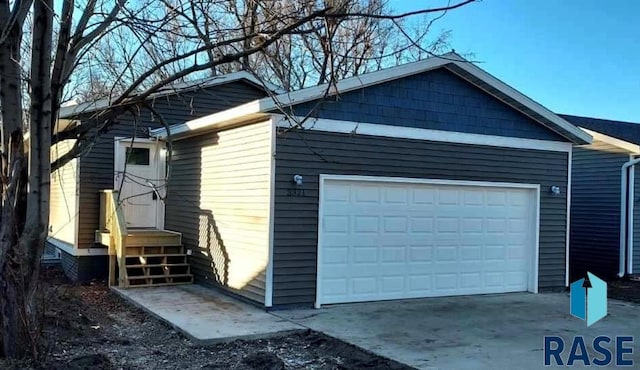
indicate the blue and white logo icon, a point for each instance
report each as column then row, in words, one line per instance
column 589, row 299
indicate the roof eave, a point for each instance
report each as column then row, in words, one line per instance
column 519, row 101
column 244, row 114
column 452, row 61
column 72, row 111
column 619, row 143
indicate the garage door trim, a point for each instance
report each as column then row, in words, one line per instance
column 533, row 283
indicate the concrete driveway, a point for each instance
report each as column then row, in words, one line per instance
column 473, row 332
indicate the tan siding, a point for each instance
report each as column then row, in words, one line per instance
column 97, row 166
column 218, row 197
column 63, row 209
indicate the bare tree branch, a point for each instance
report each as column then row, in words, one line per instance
column 403, row 15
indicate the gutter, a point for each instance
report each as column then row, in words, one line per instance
column 626, row 207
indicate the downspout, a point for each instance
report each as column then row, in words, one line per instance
column 626, row 196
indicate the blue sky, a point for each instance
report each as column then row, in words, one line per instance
column 573, row 56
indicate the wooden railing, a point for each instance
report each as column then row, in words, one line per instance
column 112, row 221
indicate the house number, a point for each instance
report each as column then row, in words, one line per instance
column 295, row 192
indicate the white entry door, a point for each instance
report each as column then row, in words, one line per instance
column 139, row 176
column 385, row 239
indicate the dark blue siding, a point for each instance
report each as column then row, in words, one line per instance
column 437, row 100
column 314, row 153
column 595, row 209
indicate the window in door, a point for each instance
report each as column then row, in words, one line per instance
column 138, row 156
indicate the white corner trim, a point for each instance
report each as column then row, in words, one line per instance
column 349, row 127
column 535, row 279
column 70, row 249
column 632, row 195
column 633, row 148
column 627, row 175
column 630, row 226
column 568, row 236
column 76, row 232
column 268, row 291
column 317, row 303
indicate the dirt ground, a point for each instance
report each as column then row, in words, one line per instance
column 625, row 290
column 88, row 327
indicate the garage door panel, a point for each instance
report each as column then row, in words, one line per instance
column 396, row 196
column 393, row 284
column 393, row 254
column 423, row 196
column 470, row 280
column 422, row 224
column 406, row 240
column 332, row 255
column 420, row 253
column 336, row 224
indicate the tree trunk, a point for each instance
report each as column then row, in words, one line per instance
column 13, row 328
column 13, row 170
column 25, row 197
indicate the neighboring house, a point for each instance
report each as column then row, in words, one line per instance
column 75, row 202
column 597, row 206
column 428, row 179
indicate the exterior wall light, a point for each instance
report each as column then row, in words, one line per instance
column 555, row 190
column 297, row 179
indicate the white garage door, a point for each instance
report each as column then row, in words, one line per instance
column 393, row 239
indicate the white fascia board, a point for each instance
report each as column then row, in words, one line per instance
column 242, row 113
column 372, row 129
column 632, row 148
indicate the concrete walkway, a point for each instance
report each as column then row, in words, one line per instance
column 205, row 315
column 490, row 332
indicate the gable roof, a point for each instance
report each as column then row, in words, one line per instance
column 69, row 111
column 451, row 61
column 627, row 131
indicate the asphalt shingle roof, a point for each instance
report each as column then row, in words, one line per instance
column 627, row 131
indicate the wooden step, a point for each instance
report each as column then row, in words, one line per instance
column 148, row 250
column 158, row 276
column 153, row 238
column 158, row 270
column 160, row 265
column 158, row 255
column 143, row 237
